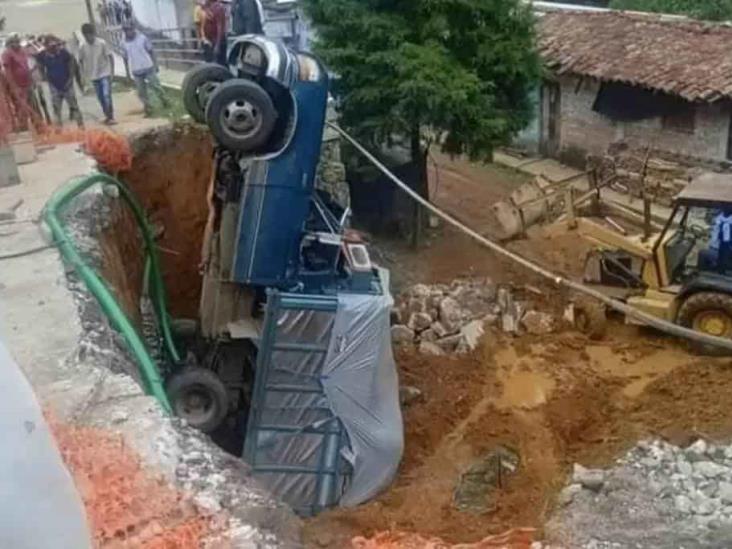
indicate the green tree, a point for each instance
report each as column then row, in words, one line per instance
column 713, row 10
column 457, row 73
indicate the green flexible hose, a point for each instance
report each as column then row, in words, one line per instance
column 51, row 214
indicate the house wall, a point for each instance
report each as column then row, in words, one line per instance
column 164, row 14
column 584, row 131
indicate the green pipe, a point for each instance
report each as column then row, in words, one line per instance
column 51, row 214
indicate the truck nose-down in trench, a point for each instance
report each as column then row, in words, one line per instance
column 290, row 362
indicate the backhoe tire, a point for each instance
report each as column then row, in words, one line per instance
column 590, row 318
column 199, row 396
column 199, row 84
column 709, row 313
column 241, row 115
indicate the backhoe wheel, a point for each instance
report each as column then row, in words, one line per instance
column 590, row 318
column 241, row 115
column 198, row 396
column 709, row 313
column 198, row 85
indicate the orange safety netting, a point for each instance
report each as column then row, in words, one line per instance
column 518, row 538
column 111, row 150
column 126, row 505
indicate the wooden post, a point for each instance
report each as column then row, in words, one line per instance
column 569, row 200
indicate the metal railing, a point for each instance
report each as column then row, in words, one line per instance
column 175, row 48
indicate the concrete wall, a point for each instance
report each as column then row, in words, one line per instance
column 584, row 131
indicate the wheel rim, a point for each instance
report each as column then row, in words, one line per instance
column 196, row 405
column 716, row 323
column 241, row 119
column 205, row 91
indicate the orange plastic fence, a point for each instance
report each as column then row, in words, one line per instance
column 127, row 506
column 111, row 151
column 518, row 538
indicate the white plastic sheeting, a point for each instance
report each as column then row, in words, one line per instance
column 39, row 505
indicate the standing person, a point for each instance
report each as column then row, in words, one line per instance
column 247, row 17
column 61, row 69
column 214, row 32
column 127, row 10
column 141, row 63
column 97, row 66
column 19, row 79
column 199, row 15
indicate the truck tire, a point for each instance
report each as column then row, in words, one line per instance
column 709, row 313
column 198, row 85
column 198, row 396
column 590, row 318
column 241, row 115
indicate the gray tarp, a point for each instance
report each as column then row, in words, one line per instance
column 39, row 506
column 359, row 386
column 362, row 388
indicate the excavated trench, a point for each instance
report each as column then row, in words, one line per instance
column 540, row 402
column 170, row 177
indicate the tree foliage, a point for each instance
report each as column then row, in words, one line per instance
column 458, row 70
column 713, row 10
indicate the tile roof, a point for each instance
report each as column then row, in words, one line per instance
column 686, row 58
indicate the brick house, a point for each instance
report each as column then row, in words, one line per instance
column 638, row 79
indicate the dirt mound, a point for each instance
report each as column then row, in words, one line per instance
column 553, row 400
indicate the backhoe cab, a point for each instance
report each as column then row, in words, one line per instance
column 681, row 273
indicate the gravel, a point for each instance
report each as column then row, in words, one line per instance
column 656, row 496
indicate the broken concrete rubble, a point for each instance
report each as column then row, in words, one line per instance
column 429, row 348
column 454, row 317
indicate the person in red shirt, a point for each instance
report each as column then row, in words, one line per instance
column 213, row 31
column 20, row 81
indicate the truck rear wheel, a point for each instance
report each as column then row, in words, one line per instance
column 709, row 313
column 198, row 396
column 198, row 85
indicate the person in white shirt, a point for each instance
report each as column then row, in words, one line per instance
column 97, row 66
column 140, row 64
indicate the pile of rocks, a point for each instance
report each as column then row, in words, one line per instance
column 698, row 479
column 657, row 495
column 451, row 318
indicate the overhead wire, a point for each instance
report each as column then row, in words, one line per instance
column 558, row 280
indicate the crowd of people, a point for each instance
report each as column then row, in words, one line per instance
column 114, row 12
column 25, row 64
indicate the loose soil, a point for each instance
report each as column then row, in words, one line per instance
column 170, row 177
column 555, row 400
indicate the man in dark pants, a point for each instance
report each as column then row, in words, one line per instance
column 61, row 70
